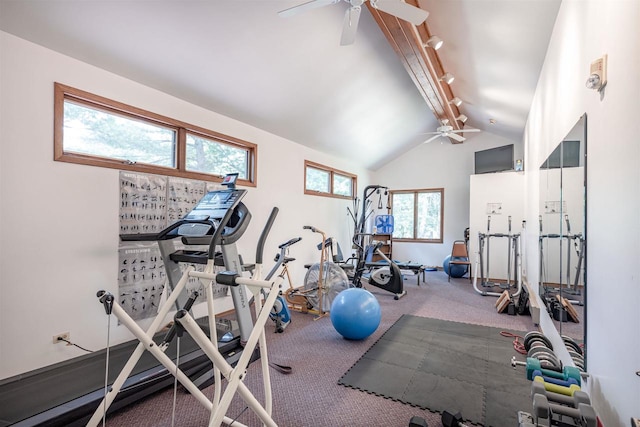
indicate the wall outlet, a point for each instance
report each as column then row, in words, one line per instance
column 62, row 336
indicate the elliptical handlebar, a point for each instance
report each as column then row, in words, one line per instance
column 264, row 234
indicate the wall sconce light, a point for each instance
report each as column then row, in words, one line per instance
column 447, row 78
column 456, row 101
column 434, row 42
column 462, row 118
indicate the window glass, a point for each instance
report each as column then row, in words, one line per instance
column 429, row 215
column 321, row 180
column 96, row 131
column 212, row 157
column 342, row 185
column 403, row 217
column 317, row 180
column 100, row 133
column 418, row 214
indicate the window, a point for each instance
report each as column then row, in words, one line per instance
column 325, row 181
column 418, row 215
column 97, row 131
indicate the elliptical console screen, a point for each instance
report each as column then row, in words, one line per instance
column 215, row 204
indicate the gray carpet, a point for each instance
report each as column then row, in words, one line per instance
column 442, row 365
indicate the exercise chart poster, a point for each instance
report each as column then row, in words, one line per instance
column 148, row 204
column 182, row 196
column 143, row 203
column 141, row 280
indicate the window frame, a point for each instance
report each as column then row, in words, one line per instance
column 63, row 93
column 332, row 172
column 415, row 214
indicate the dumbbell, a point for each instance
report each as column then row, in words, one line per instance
column 584, row 415
column 452, row 420
column 417, row 422
column 568, row 391
column 564, row 383
column 578, row 397
column 534, row 365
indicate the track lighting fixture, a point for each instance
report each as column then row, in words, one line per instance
column 434, row 42
column 462, row 118
column 447, row 78
column 456, row 101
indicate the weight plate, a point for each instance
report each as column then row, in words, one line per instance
column 550, row 359
column 575, row 355
column 536, row 336
column 546, row 364
column 539, row 349
column 579, row 364
column 571, row 343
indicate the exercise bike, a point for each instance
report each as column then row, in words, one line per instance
column 322, row 283
column 384, row 274
column 280, row 312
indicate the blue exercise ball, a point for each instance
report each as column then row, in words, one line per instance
column 457, row 270
column 355, row 313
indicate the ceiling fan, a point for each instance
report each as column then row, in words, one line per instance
column 447, row 131
column 397, row 8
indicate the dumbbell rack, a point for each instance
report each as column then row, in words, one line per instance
column 556, row 393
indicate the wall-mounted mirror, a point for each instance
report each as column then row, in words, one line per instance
column 562, row 232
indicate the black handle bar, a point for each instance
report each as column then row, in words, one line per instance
column 290, row 242
column 265, row 233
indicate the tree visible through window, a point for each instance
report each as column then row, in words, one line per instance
column 325, row 181
column 418, row 214
column 100, row 133
column 97, row 131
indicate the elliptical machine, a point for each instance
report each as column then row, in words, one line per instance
column 219, row 219
column 386, row 274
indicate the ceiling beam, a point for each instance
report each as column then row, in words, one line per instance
column 422, row 63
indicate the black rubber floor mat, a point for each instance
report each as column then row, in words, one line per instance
column 440, row 365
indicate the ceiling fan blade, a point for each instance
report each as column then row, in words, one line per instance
column 466, row 130
column 456, row 137
column 313, row 4
column 431, row 139
column 350, row 25
column 401, row 10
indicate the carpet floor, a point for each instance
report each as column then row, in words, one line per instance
column 319, row 356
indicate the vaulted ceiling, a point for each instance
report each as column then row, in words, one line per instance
column 290, row 76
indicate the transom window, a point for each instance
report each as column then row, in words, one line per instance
column 418, row 215
column 325, row 181
column 97, row 131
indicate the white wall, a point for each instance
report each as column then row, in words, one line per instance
column 439, row 165
column 59, row 221
column 584, row 31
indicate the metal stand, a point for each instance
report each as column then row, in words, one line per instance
column 514, row 264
